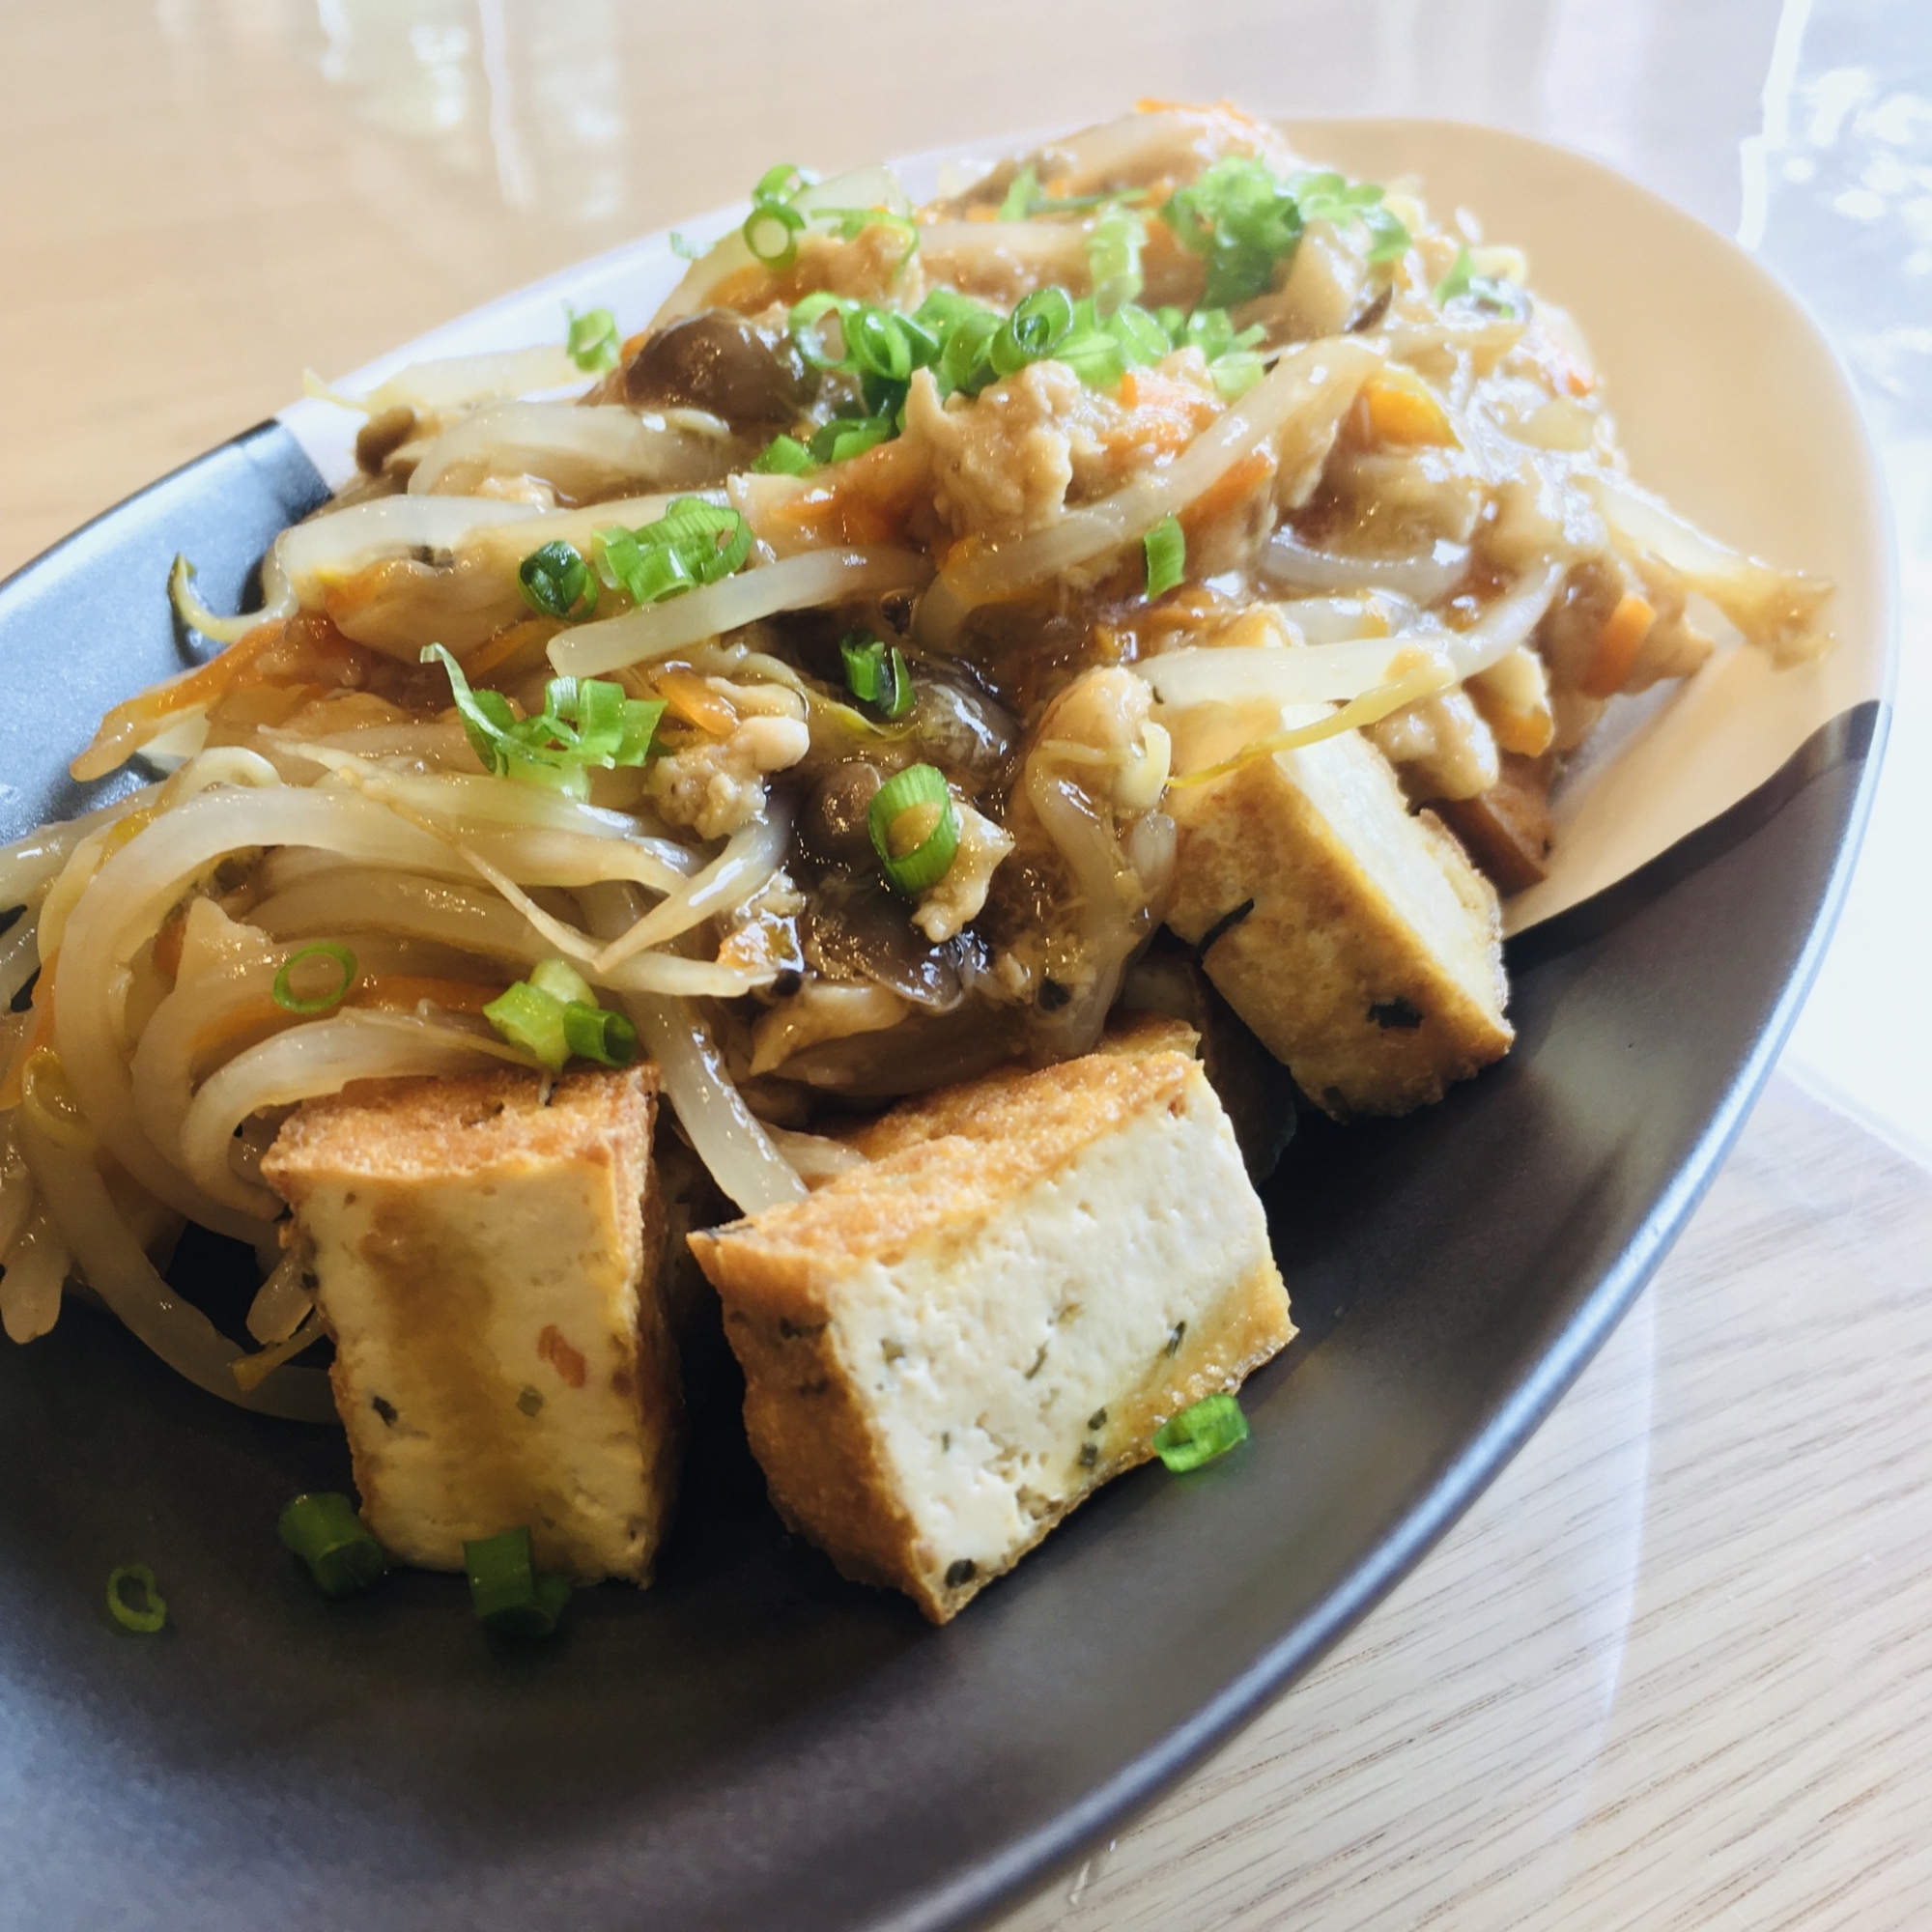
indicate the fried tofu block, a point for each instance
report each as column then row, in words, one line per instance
column 487, row 1261
column 1353, row 936
column 947, row 1350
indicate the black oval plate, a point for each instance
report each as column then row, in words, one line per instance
column 753, row 1743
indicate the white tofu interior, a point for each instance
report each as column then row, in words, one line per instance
column 985, row 1359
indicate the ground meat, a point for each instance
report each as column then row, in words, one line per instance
column 1002, row 463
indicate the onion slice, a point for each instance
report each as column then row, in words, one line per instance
column 1272, row 673
column 1425, row 578
column 1775, row 609
column 338, row 544
column 799, row 582
column 729, row 1139
column 1296, row 405
column 120, row 1272
column 321, row 1058
column 862, row 187
column 456, row 381
column 586, row 452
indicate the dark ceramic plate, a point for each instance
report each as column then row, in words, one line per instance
column 754, row 1743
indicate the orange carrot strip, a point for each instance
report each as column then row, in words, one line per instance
column 1617, row 645
column 694, row 700
column 1228, row 489
column 132, row 723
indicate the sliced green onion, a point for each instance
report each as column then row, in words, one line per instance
column 148, row 1611
column 1166, row 549
column 595, row 1033
column 592, row 340
column 1243, row 219
column 554, row 1014
column 509, row 1597
column 804, row 321
column 877, row 675
column 772, row 228
column 1114, row 257
column 557, row 582
column 928, row 862
column 1388, row 237
column 693, row 543
column 530, row 1018
column 339, row 955
column 785, row 456
column 585, row 722
column 846, row 437
column 1140, row 336
column 1461, row 273
column 1486, row 290
column 864, row 656
column 1236, row 373
column 1020, row 197
column 324, row 1530
column 1198, row 1435
column 1033, row 330
column 562, row 981
column 684, row 247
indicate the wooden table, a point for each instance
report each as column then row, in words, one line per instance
column 1672, row 1669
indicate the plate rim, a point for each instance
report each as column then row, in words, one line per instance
column 997, row 1881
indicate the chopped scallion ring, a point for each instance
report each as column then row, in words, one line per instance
column 330, row 995
column 324, row 1530
column 877, row 675
column 147, row 1609
column 785, row 456
column 592, row 339
column 530, row 1018
column 508, row 1595
column 562, row 981
column 585, row 722
column 1166, row 547
column 1020, row 198
column 595, row 1033
column 915, row 827
column 1033, row 332
column 557, row 582
column 554, row 1014
column 1198, row 1435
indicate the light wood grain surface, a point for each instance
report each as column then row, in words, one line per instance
column 1673, row 1670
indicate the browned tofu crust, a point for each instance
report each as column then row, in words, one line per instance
column 1313, row 954
column 943, row 1165
column 384, row 1140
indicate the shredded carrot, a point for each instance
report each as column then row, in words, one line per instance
column 694, row 700
column 1229, row 489
column 1400, row 409
column 1529, row 732
column 509, row 642
column 842, row 514
column 1617, row 645
column 132, row 723
column 402, row 992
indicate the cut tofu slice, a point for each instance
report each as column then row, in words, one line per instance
column 1353, row 936
column 487, row 1261
column 947, row 1350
